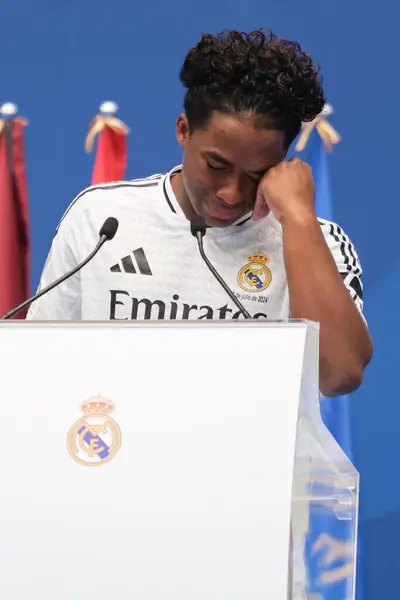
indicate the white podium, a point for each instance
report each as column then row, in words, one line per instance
column 164, row 460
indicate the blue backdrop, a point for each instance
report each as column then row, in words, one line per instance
column 61, row 59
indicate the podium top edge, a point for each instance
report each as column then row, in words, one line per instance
column 298, row 323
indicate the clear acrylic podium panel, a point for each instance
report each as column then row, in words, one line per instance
column 322, row 564
column 323, row 548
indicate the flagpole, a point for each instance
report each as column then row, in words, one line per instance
column 7, row 112
column 111, row 153
column 14, row 211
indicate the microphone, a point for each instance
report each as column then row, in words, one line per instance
column 198, row 229
column 106, row 233
column 108, row 229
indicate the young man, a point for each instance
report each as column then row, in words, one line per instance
column 247, row 95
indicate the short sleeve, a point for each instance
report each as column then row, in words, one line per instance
column 64, row 301
column 346, row 258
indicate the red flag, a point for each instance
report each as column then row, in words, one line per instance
column 111, row 155
column 14, row 218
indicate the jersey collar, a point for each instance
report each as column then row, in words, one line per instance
column 169, row 193
column 175, row 206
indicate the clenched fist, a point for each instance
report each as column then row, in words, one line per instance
column 287, row 190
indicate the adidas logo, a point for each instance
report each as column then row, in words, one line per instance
column 128, row 266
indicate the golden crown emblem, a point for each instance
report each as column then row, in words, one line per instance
column 97, row 405
column 258, row 258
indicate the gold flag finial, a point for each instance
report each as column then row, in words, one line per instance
column 106, row 118
column 9, row 110
column 328, row 134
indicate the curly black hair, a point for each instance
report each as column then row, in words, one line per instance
column 237, row 73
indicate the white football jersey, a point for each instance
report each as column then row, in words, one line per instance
column 152, row 268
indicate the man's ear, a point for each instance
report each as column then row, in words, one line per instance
column 182, row 130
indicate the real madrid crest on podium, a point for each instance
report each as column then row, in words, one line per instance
column 95, row 438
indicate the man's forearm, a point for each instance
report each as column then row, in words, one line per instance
column 317, row 292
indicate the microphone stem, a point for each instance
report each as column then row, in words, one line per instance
column 12, row 312
column 219, row 278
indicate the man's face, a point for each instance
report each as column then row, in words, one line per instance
column 223, row 164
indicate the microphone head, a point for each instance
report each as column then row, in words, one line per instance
column 109, row 228
column 198, row 225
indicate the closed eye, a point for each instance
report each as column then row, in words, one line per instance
column 256, row 176
column 216, row 168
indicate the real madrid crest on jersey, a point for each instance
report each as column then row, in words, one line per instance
column 255, row 276
column 95, row 438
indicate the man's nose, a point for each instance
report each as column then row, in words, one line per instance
column 231, row 193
